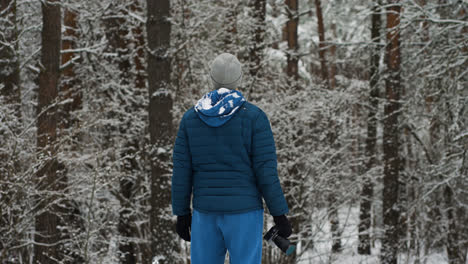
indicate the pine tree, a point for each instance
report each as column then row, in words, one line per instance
column 322, row 46
column 371, row 140
column 291, row 37
column 47, row 236
column 158, row 27
column 391, row 137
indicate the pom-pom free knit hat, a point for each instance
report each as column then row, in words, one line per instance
column 226, row 71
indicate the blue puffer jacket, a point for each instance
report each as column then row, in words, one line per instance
column 225, row 150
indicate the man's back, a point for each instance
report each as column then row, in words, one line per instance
column 232, row 165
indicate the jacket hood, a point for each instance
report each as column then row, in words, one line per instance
column 219, row 106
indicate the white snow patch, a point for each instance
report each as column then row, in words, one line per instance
column 160, row 92
column 463, row 134
column 156, row 259
column 160, row 151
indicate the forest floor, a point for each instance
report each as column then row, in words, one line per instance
column 349, row 219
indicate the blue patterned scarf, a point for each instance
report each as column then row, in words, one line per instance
column 217, row 107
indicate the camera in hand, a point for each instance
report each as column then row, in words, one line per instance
column 284, row 244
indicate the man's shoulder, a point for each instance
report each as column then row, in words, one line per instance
column 250, row 110
column 189, row 114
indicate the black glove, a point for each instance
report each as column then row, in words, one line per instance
column 284, row 227
column 183, row 226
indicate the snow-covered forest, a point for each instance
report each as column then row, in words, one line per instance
column 368, row 102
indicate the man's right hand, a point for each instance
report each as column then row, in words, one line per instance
column 284, row 227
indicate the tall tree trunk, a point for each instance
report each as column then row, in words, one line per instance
column 332, row 136
column 391, row 137
column 333, row 59
column 163, row 240
column 322, row 46
column 9, row 63
column 10, row 92
column 47, row 235
column 138, row 42
column 414, row 212
column 291, row 36
column 456, row 226
column 70, row 101
column 10, row 101
column 257, row 45
column 10, row 73
column 454, row 252
column 256, row 51
column 334, row 223
column 332, row 208
column 130, row 85
column 68, row 88
column 119, row 43
column 230, row 33
column 371, row 140
column 418, row 215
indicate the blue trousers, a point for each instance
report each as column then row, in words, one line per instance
column 213, row 234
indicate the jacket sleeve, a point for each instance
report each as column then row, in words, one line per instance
column 181, row 188
column 265, row 166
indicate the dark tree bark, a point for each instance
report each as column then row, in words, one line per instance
column 391, row 137
column 333, row 59
column 332, row 136
column 291, row 36
column 334, row 223
column 117, row 33
column 256, row 52
column 257, row 46
column 230, row 33
column 9, row 73
column 457, row 242
column 332, row 209
column 127, row 40
column 9, row 80
column 371, row 140
column 138, row 42
column 47, row 235
column 9, row 63
column 183, row 73
column 68, row 87
column 9, row 163
column 121, row 44
column 163, row 239
column 70, row 101
column 456, row 254
column 322, row 46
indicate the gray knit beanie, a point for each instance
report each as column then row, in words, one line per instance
column 226, row 71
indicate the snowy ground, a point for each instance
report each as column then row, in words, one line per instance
column 349, row 219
